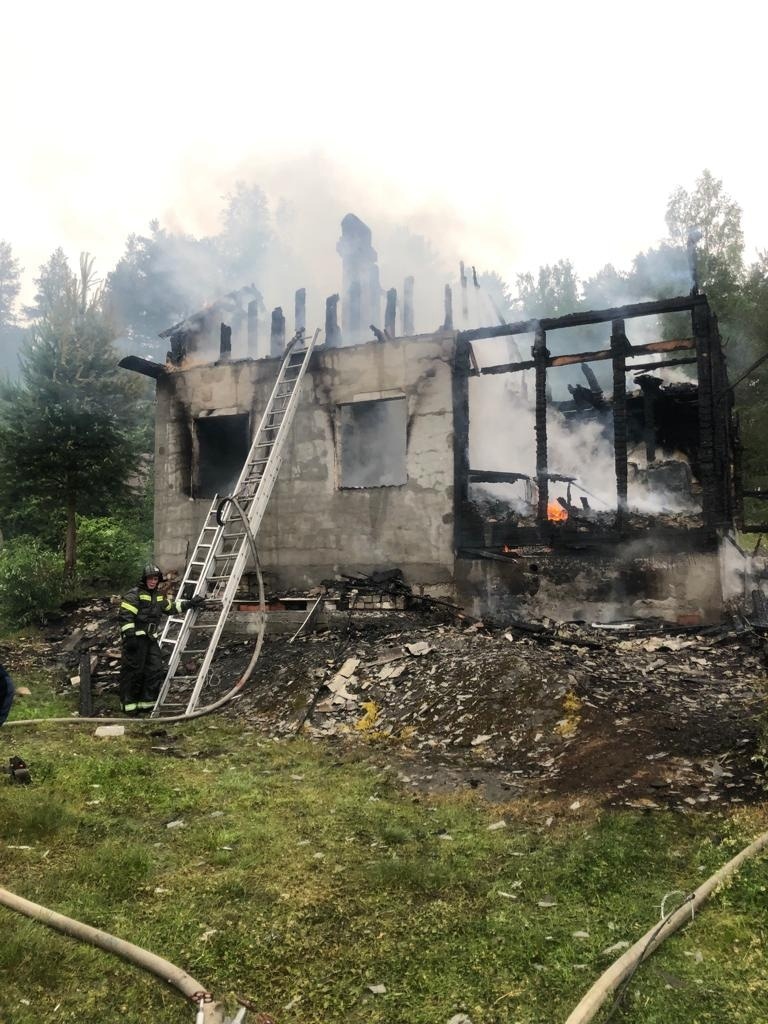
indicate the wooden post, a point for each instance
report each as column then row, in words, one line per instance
column 300, row 310
column 702, row 332
column 277, row 333
column 619, row 346
column 650, row 387
column 86, row 693
column 390, row 314
column 448, row 322
column 540, row 356
column 225, row 343
column 408, row 321
column 332, row 332
column 464, row 302
column 253, row 329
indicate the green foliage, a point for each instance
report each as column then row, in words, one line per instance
column 31, row 581
column 553, row 292
column 69, row 429
column 110, row 550
column 304, row 873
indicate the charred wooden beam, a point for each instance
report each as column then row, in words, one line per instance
column 300, row 309
column 378, row 334
column 277, row 333
column 642, row 367
column 702, row 328
column 541, row 359
column 145, row 366
column 464, row 300
column 448, row 303
column 596, row 316
column 650, row 387
column 253, row 328
column 408, row 321
column 492, row 476
column 460, row 404
column 332, row 332
column 619, row 347
column 390, row 313
column 596, row 356
column 225, row 343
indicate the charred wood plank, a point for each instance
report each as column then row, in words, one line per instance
column 541, row 359
column 596, row 316
column 225, row 343
column 642, row 367
column 277, row 333
column 619, row 347
column 253, row 328
column 448, row 303
column 597, row 356
column 492, row 476
column 332, row 332
column 390, row 313
column 300, row 309
column 702, row 329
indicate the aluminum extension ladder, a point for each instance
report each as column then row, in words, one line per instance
column 222, row 549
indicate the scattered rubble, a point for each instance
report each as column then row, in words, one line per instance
column 634, row 714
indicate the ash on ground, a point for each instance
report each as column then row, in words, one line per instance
column 635, row 714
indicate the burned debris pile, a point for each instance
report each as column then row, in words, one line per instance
column 634, row 715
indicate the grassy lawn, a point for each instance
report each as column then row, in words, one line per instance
column 303, row 873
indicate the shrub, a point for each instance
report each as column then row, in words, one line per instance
column 108, row 549
column 31, row 581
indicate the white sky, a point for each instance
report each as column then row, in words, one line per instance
column 521, row 133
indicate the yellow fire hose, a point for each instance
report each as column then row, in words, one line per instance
column 622, row 970
column 208, row 1011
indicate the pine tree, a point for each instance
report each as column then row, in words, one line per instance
column 68, row 428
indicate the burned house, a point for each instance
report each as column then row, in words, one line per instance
column 589, row 482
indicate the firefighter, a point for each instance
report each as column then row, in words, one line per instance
column 142, row 667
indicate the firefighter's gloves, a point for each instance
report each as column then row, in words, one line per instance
column 196, row 602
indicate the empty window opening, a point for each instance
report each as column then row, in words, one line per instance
column 223, row 443
column 373, row 443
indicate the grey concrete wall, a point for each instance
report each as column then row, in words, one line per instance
column 313, row 528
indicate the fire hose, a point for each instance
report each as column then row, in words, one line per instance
column 208, row 1011
column 619, row 974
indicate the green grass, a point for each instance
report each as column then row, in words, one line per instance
column 304, row 873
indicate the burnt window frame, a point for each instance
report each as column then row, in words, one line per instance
column 197, row 489
column 369, row 399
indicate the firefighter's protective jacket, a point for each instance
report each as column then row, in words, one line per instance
column 141, row 611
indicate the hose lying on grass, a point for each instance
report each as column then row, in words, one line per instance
column 209, row 708
column 620, row 972
column 208, row 1011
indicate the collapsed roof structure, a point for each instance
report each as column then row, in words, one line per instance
column 574, row 500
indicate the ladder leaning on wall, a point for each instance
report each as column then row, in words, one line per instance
column 221, row 552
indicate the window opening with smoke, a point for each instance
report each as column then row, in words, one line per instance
column 373, row 443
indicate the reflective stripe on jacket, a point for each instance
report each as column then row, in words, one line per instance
column 141, row 611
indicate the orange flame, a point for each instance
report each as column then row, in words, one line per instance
column 556, row 513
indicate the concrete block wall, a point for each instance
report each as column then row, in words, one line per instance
column 313, row 528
